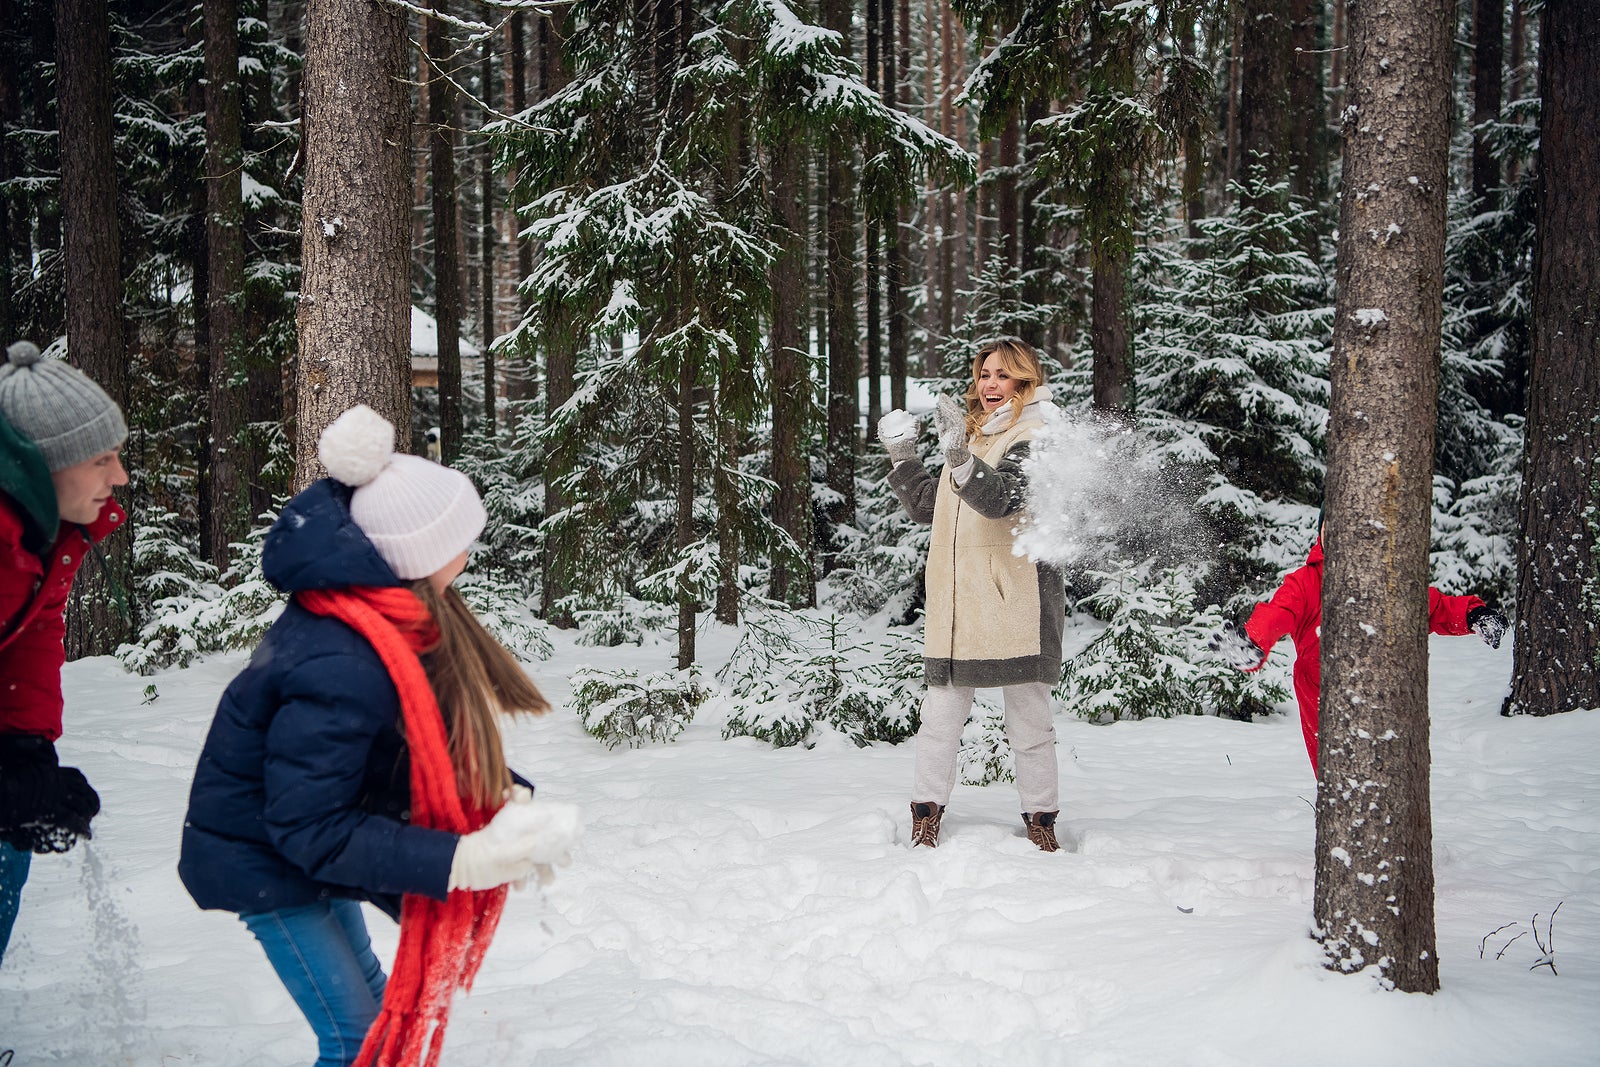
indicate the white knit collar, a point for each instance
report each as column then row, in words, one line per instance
column 1001, row 419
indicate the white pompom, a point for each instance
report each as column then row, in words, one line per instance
column 356, row 446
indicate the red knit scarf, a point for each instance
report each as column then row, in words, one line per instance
column 442, row 943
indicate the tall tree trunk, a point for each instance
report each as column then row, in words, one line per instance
column 1005, row 191
column 932, row 216
column 355, row 304
column 519, row 376
column 13, row 224
column 1264, row 90
column 227, row 476
column 488, row 233
column 92, row 248
column 791, row 380
column 1488, row 38
column 874, row 273
column 895, row 250
column 1336, row 65
column 1557, row 645
column 561, row 354
column 1235, row 80
column 1194, row 148
column 1110, row 338
column 1519, row 36
column 844, row 354
column 446, row 231
column 1374, row 867
column 1306, row 135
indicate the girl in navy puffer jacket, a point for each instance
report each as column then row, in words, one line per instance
column 357, row 758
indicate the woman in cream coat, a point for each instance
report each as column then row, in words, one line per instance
column 993, row 618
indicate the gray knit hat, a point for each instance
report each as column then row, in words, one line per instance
column 58, row 407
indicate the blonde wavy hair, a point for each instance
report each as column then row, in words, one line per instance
column 1020, row 361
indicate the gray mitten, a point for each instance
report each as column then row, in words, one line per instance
column 950, row 420
column 898, row 432
column 1234, row 646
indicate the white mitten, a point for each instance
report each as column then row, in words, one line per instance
column 950, row 420
column 524, row 835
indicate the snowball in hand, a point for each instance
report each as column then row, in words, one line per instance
column 896, row 425
column 549, row 825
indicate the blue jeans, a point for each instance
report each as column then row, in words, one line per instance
column 324, row 957
column 14, row 866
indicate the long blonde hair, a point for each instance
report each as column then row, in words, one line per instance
column 1018, row 359
column 473, row 678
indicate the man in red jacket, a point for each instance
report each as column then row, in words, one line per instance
column 1296, row 610
column 60, row 435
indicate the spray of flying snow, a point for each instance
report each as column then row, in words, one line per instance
column 1099, row 491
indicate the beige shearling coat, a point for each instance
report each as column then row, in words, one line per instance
column 993, row 618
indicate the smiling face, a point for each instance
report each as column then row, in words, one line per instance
column 996, row 386
column 83, row 488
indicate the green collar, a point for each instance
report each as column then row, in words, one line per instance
column 26, row 480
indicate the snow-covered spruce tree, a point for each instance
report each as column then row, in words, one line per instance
column 1233, row 340
column 643, row 181
column 794, row 671
column 623, row 707
column 1151, row 662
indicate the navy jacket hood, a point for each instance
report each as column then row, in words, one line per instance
column 315, row 544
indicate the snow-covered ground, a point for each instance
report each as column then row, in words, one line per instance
column 734, row 904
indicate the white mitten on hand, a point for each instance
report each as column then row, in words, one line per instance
column 522, row 836
column 898, row 432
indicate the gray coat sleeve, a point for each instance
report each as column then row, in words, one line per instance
column 916, row 488
column 995, row 492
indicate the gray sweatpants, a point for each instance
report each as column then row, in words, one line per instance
column 1029, row 729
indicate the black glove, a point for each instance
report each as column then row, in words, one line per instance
column 1234, row 646
column 1490, row 623
column 44, row 807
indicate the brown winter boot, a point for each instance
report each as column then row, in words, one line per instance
column 1042, row 829
column 925, row 824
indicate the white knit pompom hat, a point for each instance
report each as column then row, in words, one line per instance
column 417, row 514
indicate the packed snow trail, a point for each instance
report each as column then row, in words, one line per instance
column 732, row 904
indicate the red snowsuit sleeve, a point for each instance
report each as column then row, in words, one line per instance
column 1278, row 617
column 1448, row 614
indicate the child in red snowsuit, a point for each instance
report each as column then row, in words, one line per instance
column 1296, row 609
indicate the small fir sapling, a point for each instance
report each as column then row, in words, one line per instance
column 985, row 755
column 1152, row 658
column 624, row 708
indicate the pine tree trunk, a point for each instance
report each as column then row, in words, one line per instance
column 1235, row 78
column 1110, row 338
column 519, row 376
column 1557, row 640
column 1194, row 152
column 844, row 354
column 1515, row 61
column 13, row 223
column 227, row 475
column 1306, row 137
column 1264, row 90
column 355, row 304
column 92, row 250
column 895, row 250
column 687, row 607
column 1488, row 32
column 489, row 246
column 791, row 379
column 446, row 232
column 1374, row 868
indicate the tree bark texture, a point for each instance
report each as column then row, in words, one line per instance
column 355, row 304
column 488, row 245
column 227, row 474
column 446, row 232
column 894, row 245
column 1557, row 647
column 1306, row 141
column 1488, row 39
column 92, row 250
column 844, row 353
column 1265, row 32
column 1109, row 337
column 791, row 381
column 1374, row 867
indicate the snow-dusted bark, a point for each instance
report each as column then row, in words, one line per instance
column 1558, row 568
column 1374, row 883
